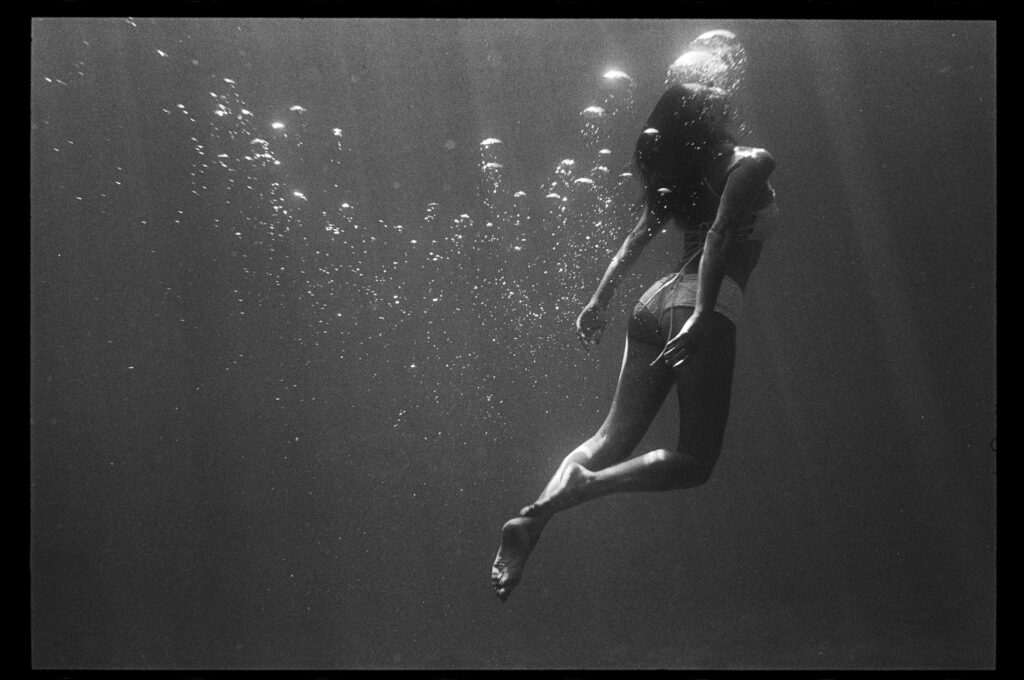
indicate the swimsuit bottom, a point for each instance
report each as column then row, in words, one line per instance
column 654, row 320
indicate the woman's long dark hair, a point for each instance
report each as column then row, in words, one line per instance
column 679, row 139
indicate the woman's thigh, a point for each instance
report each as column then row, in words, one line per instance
column 704, row 386
column 639, row 394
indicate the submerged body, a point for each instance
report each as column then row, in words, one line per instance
column 682, row 332
column 679, row 289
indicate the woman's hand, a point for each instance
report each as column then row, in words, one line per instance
column 687, row 341
column 590, row 325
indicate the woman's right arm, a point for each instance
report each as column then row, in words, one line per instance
column 590, row 324
column 645, row 230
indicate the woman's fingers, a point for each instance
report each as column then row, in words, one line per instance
column 678, row 354
column 589, row 335
column 677, row 345
column 589, row 338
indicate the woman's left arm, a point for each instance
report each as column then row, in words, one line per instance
column 742, row 189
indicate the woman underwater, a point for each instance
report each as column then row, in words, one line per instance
column 682, row 330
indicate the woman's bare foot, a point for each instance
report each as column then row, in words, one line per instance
column 566, row 494
column 518, row 537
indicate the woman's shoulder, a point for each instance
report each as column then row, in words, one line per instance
column 753, row 155
column 755, row 164
column 755, row 161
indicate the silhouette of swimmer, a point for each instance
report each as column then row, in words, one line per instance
column 682, row 331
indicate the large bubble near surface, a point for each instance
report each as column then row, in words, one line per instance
column 715, row 59
column 696, row 66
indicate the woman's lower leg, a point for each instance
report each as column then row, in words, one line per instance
column 659, row 470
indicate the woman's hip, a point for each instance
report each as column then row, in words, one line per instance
column 671, row 292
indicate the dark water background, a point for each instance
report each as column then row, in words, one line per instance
column 247, row 452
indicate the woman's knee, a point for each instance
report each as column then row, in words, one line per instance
column 701, row 473
column 603, row 449
column 686, row 469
